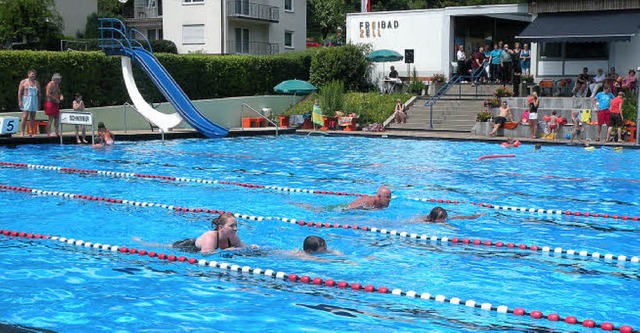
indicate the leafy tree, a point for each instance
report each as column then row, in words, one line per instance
column 30, row 24
column 111, row 7
column 326, row 14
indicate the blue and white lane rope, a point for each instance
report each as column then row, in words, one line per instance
column 310, row 191
column 317, row 281
column 414, row 236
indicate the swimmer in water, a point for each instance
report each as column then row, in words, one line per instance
column 105, row 136
column 378, row 201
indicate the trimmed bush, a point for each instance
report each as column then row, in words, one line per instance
column 345, row 63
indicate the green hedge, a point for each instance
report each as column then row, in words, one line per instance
column 99, row 78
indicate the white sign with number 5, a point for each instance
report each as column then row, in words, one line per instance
column 9, row 125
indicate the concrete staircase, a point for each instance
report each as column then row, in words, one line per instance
column 454, row 112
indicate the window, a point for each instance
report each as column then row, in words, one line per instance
column 587, row 50
column 288, row 39
column 192, row 1
column 288, row 5
column 193, row 34
column 551, row 50
column 591, row 50
column 152, row 34
column 242, row 7
column 242, row 40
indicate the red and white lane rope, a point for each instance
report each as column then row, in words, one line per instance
column 557, row 212
column 203, row 181
column 317, row 281
column 302, row 190
column 414, row 236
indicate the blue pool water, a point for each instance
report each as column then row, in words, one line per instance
column 61, row 287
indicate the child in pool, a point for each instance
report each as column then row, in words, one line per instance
column 105, row 136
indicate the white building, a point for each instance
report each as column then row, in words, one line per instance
column 434, row 33
column 74, row 14
column 565, row 36
column 224, row 26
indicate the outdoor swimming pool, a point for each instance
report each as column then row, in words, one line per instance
column 70, row 286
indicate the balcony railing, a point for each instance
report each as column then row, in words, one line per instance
column 146, row 12
column 252, row 48
column 250, row 10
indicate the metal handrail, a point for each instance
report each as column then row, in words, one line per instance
column 445, row 88
column 124, row 118
column 261, row 115
column 132, row 36
column 116, row 26
column 124, row 114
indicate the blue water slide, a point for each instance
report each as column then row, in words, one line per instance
column 115, row 39
column 175, row 95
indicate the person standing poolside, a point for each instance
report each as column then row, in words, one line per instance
column 78, row 106
column 577, row 127
column 504, row 112
column 378, row 201
column 603, row 103
column 494, row 61
column 53, row 98
column 399, row 114
column 616, row 119
column 29, row 100
column 553, row 124
column 525, row 59
column 533, row 115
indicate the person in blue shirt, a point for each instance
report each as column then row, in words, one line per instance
column 494, row 61
column 603, row 103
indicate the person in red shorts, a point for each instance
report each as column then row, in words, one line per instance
column 603, row 104
column 52, row 101
column 615, row 118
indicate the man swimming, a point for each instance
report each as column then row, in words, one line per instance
column 378, row 201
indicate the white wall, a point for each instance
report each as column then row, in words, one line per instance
column 624, row 55
column 428, row 32
column 420, row 30
column 74, row 14
column 209, row 13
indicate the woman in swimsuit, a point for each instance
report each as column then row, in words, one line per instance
column 105, row 136
column 223, row 236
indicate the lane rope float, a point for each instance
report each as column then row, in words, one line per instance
column 319, row 282
column 495, row 156
column 299, row 190
column 557, row 212
column 115, row 174
column 414, row 236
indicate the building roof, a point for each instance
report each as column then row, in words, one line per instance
column 583, row 27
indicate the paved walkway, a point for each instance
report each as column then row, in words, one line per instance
column 141, row 135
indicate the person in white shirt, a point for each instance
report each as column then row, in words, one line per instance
column 461, row 58
column 597, row 82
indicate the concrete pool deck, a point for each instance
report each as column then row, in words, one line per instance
column 148, row 135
